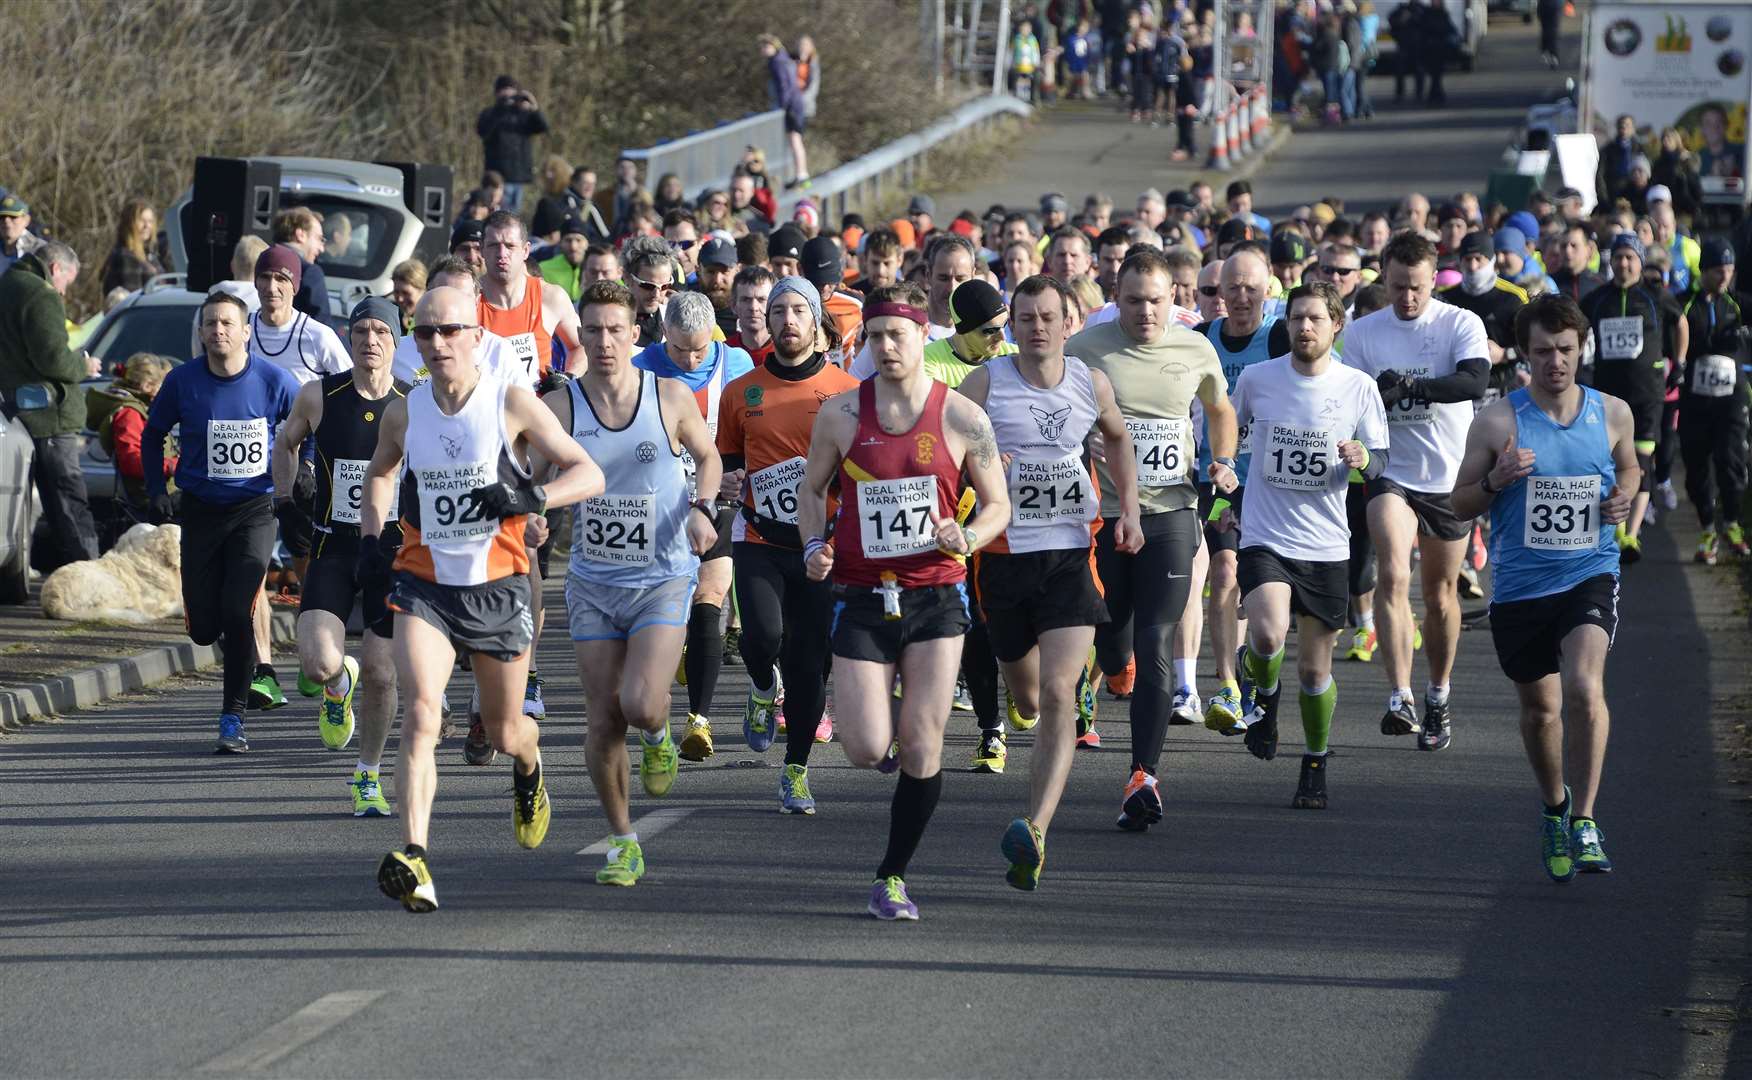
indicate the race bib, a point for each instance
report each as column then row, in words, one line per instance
column 1621, row 338
column 1160, row 447
column 1295, row 458
column 347, row 492
column 1562, row 513
column 1048, row 490
column 1412, row 410
column 522, row 346
column 894, row 516
column 1714, row 375
column 237, row 449
column 447, row 517
column 619, row 530
column 774, row 489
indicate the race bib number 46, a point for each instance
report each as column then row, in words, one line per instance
column 1621, row 338
column 1046, row 491
column 1161, row 447
column 894, row 516
column 1563, row 513
column 775, row 490
column 1295, row 458
column 447, row 516
column 619, row 529
column 347, row 492
column 237, row 449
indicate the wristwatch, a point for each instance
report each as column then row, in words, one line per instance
column 1484, row 485
column 706, row 507
column 1225, row 462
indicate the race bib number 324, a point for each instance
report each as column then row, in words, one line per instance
column 619, row 530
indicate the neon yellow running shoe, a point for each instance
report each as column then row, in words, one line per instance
column 1362, row 645
column 531, row 810
column 1018, row 722
column 335, row 721
column 407, row 879
column 658, row 766
column 1223, row 711
column 1025, row 847
column 696, row 742
column 368, row 800
column 625, row 866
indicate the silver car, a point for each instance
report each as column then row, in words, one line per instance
column 16, row 498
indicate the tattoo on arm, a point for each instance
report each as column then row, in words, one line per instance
column 976, row 428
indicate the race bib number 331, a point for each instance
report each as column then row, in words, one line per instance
column 1563, row 513
column 894, row 516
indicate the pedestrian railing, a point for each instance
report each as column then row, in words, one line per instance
column 705, row 159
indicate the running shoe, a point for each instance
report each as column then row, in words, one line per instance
column 368, row 800
column 231, row 738
column 1311, row 788
column 1262, row 727
column 733, row 645
column 1470, row 589
column 696, row 745
column 1737, row 540
column 532, row 704
column 1706, row 548
column 1142, row 806
column 1362, row 645
column 531, row 810
column 1186, row 710
column 1669, row 497
column 889, row 902
column 658, row 765
column 1585, row 840
column 891, row 760
column 824, row 728
column 794, row 794
column 1122, row 684
column 1223, row 712
column 1651, row 514
column 1629, row 548
column 990, row 755
column 478, row 749
column 308, row 686
column 1399, row 720
column 1023, row 845
column 1554, row 844
column 335, row 720
column 757, row 721
column 1018, row 722
column 1088, row 705
column 963, row 697
column 1248, row 697
column 406, row 878
column 626, row 864
column 1438, row 726
column 264, row 690
column 1089, row 740
column 782, row 728
column 449, row 727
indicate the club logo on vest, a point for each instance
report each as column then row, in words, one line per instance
column 924, row 447
column 453, row 447
column 752, row 395
column 646, row 453
column 1051, row 424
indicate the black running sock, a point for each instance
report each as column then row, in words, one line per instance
column 526, row 783
column 414, row 851
column 268, row 670
column 914, row 802
column 1558, row 811
column 980, row 668
column 705, row 656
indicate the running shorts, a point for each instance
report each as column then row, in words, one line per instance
column 493, row 619
column 1319, row 590
column 1434, row 510
column 721, row 549
column 1529, row 633
column 861, row 631
column 1218, row 539
column 329, row 586
column 1024, row 594
column 610, row 613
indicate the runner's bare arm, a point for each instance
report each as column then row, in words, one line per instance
column 380, row 475
column 1615, row 506
column 557, row 311
column 576, row 476
column 835, row 427
column 300, row 424
column 976, row 386
column 559, row 402
column 687, row 427
column 967, row 423
column 1122, row 463
column 1220, row 425
column 1487, row 441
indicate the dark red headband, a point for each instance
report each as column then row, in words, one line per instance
column 903, row 311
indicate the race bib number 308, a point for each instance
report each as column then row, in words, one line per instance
column 447, row 515
column 1563, row 513
column 894, row 516
column 1292, row 457
column 237, row 449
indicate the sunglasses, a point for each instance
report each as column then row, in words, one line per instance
column 651, row 285
column 993, row 332
column 1208, row 290
column 683, row 245
column 1337, row 270
column 424, row 332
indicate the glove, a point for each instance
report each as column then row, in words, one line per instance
column 504, row 500
column 550, row 382
column 373, row 566
column 304, row 485
column 295, row 526
column 1393, row 387
column 162, row 508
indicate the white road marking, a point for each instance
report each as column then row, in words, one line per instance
column 649, row 825
column 289, row 1034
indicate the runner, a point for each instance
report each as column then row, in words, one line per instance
column 1363, row 639
column 460, row 579
column 1713, row 401
column 1431, row 362
column 1034, row 584
column 949, row 261
column 494, row 356
column 1156, row 371
column 1630, row 322
column 752, row 288
column 1312, row 420
column 898, row 445
column 768, row 415
column 343, row 412
column 1555, row 463
column 229, row 407
column 635, row 557
column 688, row 354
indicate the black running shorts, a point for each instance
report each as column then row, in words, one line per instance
column 1317, row 589
column 494, row 619
column 862, row 632
column 1529, row 633
column 1023, row 595
column 1219, row 539
column 1434, row 510
column 329, row 586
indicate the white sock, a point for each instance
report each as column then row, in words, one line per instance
column 1437, row 694
column 341, row 683
column 1403, row 694
column 1186, row 674
column 1366, row 621
column 654, row 738
column 365, row 767
column 631, row 838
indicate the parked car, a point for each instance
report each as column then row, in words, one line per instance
column 16, row 500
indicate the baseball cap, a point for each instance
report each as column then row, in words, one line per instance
column 13, row 206
column 922, row 204
column 973, row 304
column 1715, row 252
column 1235, row 230
column 1477, row 243
column 1323, row 214
column 1288, row 247
column 786, row 242
column 572, row 226
column 1509, row 238
column 1659, row 193
column 1627, row 240
column 1178, row 199
column 467, row 231
column 822, row 263
column 381, row 308
column 718, row 252
column 903, row 229
column 1053, row 202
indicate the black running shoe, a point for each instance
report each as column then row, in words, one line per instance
column 1311, row 789
column 1400, row 721
column 1437, row 730
column 1261, row 735
column 478, row 750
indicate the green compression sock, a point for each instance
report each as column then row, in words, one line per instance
column 1263, row 670
column 1317, row 716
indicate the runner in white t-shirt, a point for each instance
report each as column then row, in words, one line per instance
column 1431, row 361
column 283, row 336
column 493, row 356
column 1311, row 421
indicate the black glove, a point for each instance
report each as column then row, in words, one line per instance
column 1393, row 386
column 550, row 382
column 304, row 485
column 295, row 526
column 504, row 500
column 161, row 508
column 374, row 564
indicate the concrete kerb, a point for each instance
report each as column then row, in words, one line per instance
column 21, row 705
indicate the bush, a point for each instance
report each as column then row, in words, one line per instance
column 110, row 100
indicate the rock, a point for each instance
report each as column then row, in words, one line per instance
column 137, row 581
